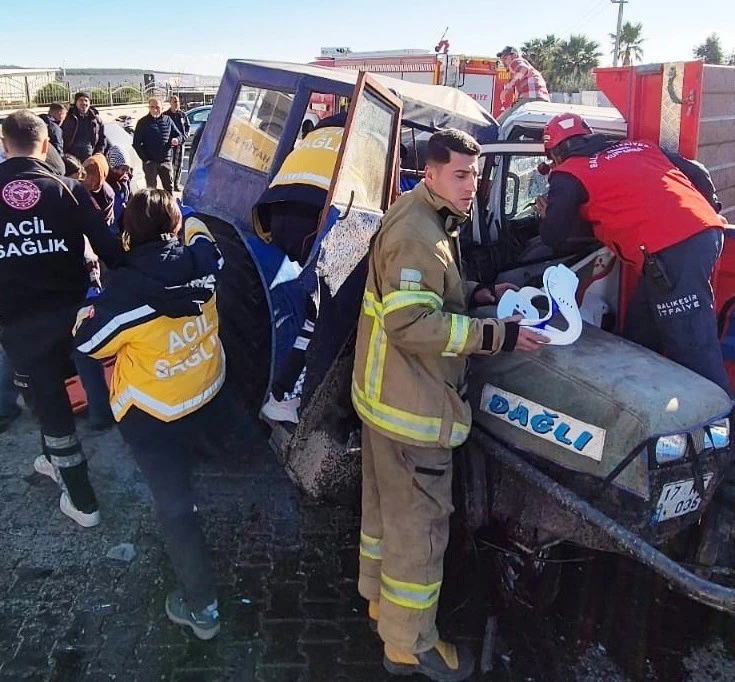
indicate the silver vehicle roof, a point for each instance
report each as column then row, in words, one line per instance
column 606, row 120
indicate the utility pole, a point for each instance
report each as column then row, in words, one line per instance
column 616, row 54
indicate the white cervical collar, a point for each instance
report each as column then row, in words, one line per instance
column 560, row 287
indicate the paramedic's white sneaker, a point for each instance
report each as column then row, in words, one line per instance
column 44, row 467
column 281, row 410
column 83, row 519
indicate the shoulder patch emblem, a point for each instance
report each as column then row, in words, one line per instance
column 21, row 194
column 410, row 279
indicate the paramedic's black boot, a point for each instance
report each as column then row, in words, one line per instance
column 443, row 663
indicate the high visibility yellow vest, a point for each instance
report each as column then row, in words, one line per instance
column 313, row 160
column 304, row 176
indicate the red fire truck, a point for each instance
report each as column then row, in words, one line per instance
column 482, row 78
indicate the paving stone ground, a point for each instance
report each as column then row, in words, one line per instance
column 286, row 567
column 286, row 570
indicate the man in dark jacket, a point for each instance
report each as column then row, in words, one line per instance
column 53, row 120
column 658, row 212
column 83, row 130
column 179, row 119
column 154, row 140
column 43, row 280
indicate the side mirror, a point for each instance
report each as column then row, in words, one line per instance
column 512, row 190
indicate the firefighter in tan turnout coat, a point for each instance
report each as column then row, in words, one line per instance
column 414, row 334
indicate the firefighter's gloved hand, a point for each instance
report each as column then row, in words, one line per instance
column 527, row 338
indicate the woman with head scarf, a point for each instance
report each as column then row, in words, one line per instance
column 96, row 169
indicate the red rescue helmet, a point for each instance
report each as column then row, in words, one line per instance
column 561, row 128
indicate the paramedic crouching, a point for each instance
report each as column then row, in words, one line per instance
column 657, row 212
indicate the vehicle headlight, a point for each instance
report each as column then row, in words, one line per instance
column 717, row 434
column 670, row 448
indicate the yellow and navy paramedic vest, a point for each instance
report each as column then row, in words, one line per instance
column 305, row 175
column 166, row 367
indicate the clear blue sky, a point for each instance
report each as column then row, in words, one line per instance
column 199, row 35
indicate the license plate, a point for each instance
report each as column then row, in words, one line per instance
column 679, row 498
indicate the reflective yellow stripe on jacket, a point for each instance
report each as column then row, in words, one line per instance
column 367, row 402
column 370, row 547
column 460, row 331
column 409, row 595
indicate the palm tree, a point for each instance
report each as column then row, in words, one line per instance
column 631, row 37
column 541, row 51
column 573, row 63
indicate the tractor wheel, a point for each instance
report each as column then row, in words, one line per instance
column 244, row 318
column 472, row 495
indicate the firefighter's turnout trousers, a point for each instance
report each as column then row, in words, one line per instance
column 406, row 503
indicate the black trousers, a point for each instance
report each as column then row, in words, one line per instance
column 166, row 453
column 40, row 347
column 154, row 170
column 680, row 319
column 177, row 162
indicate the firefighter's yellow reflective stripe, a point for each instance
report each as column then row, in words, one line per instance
column 371, row 307
column 375, row 359
column 402, row 299
column 459, row 434
column 409, row 595
column 402, row 423
column 458, row 333
column 370, row 547
column 424, row 429
column 382, row 346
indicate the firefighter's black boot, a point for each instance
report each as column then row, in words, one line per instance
column 443, row 663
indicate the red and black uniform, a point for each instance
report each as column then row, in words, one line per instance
column 639, row 201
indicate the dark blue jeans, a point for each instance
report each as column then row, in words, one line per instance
column 166, row 453
column 680, row 320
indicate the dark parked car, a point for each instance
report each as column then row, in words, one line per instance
column 197, row 117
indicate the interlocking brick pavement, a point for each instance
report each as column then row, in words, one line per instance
column 286, row 567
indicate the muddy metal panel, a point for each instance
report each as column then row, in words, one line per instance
column 550, row 403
